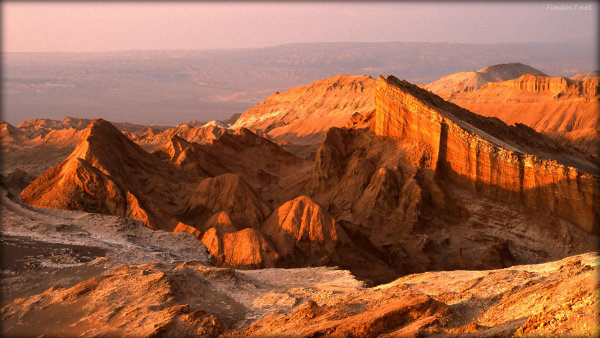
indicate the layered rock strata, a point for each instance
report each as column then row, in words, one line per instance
column 465, row 148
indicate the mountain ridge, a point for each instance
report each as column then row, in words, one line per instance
column 564, row 109
column 473, row 80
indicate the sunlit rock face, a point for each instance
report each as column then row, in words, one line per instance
column 303, row 114
column 468, row 81
column 539, row 84
column 564, row 109
column 466, row 149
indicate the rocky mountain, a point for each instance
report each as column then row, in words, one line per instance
column 414, row 184
column 562, row 108
column 37, row 145
column 229, row 121
column 108, row 173
column 434, row 186
column 585, row 76
column 473, row 80
column 202, row 133
column 303, row 114
column 44, row 127
column 9, row 135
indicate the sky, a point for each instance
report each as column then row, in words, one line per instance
column 107, row 26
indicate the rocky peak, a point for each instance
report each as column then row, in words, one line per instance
column 507, row 71
column 104, row 146
column 8, row 133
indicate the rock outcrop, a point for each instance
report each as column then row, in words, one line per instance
column 227, row 193
column 244, row 249
column 549, row 299
column 260, row 162
column 301, row 224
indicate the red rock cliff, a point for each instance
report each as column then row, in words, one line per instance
column 485, row 154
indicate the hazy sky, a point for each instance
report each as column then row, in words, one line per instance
column 99, row 26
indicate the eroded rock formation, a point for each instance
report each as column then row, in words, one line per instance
column 108, row 173
column 472, row 151
column 564, row 109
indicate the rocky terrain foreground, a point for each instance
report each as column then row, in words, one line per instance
column 115, row 277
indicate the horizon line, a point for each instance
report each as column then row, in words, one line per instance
column 294, row 43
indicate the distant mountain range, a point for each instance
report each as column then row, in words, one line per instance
column 172, row 86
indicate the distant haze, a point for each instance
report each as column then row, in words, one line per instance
column 102, row 26
column 167, row 63
column 174, row 86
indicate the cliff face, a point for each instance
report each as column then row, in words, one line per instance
column 564, row 109
column 463, row 149
column 555, row 85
